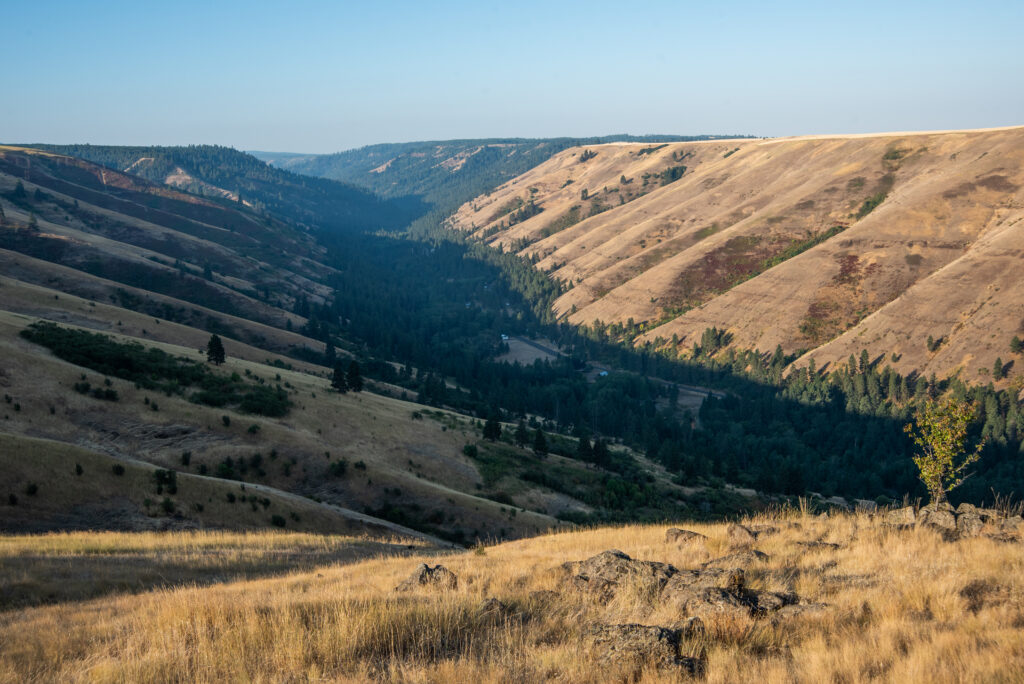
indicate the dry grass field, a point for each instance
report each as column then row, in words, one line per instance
column 823, row 244
column 882, row 604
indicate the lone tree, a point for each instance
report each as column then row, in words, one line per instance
column 215, row 350
column 338, row 380
column 354, row 378
column 540, row 444
column 522, row 436
column 941, row 434
column 492, row 429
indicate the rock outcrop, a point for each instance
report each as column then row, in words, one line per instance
column 639, row 643
column 437, row 577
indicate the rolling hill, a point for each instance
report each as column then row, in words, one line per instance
column 110, row 288
column 444, row 173
column 821, row 245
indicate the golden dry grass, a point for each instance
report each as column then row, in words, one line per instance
column 898, row 611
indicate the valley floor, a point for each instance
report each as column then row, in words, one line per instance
column 869, row 602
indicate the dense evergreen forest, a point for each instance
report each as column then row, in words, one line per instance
column 445, row 304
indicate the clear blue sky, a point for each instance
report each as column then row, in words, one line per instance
column 326, row 76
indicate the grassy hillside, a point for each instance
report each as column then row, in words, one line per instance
column 823, row 245
column 842, row 598
column 144, row 264
column 229, row 176
column 442, row 172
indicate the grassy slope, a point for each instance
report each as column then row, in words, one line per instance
column 936, row 257
column 417, row 465
column 902, row 606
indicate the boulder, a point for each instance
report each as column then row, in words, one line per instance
column 740, row 558
column 639, row 643
column 937, row 517
column 865, row 505
column 740, row 534
column 603, row 574
column 969, row 524
column 678, row 536
column 438, row 577
column 1011, row 524
column 966, row 508
column 492, row 607
column 838, row 502
column 901, row 517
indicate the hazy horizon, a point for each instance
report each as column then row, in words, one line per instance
column 319, row 78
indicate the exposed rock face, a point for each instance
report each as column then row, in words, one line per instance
column 678, row 536
column 438, row 577
column 604, row 574
column 632, row 642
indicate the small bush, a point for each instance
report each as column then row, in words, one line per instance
column 277, row 521
column 31, row 489
column 167, row 505
column 118, row 469
column 226, row 420
column 253, row 429
column 231, row 497
column 78, row 469
column 12, row 500
column 186, row 458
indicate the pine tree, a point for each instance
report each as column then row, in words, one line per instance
column 492, row 429
column 583, row 450
column 540, row 444
column 355, row 379
column 997, row 369
column 522, row 436
column 215, row 351
column 338, row 380
column 1016, row 346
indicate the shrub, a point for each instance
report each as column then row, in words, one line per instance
column 12, row 499
column 78, row 469
column 226, row 420
column 118, row 469
column 338, row 468
column 231, row 497
column 31, row 489
column 277, row 521
column 167, row 505
column 253, row 429
column 186, row 458
column 470, row 451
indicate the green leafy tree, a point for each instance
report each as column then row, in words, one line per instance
column 215, row 350
column 941, row 435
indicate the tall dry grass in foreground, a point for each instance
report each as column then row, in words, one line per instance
column 904, row 606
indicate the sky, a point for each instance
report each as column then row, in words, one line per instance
column 319, row 77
